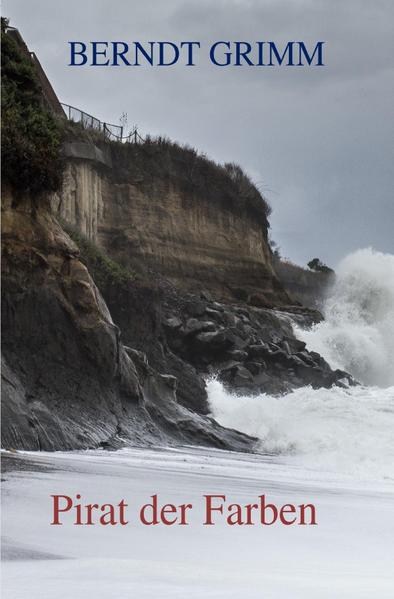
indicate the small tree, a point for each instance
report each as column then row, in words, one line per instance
column 319, row 266
column 276, row 252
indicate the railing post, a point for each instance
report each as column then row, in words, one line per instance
column 88, row 121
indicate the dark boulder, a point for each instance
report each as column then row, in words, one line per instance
column 194, row 326
column 173, row 323
column 214, row 342
column 195, row 307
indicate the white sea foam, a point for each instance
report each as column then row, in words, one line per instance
column 349, row 554
column 342, row 430
column 357, row 334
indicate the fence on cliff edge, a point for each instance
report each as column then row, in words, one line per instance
column 111, row 132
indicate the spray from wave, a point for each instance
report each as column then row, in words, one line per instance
column 357, row 334
column 337, row 430
column 340, row 430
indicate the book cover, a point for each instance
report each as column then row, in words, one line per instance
column 197, row 299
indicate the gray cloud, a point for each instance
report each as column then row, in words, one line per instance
column 319, row 142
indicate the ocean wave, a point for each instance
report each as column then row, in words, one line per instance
column 357, row 334
column 340, row 430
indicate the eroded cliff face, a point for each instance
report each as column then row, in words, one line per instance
column 71, row 378
column 155, row 226
column 68, row 381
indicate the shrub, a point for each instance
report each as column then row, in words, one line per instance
column 105, row 272
column 31, row 137
column 318, row 266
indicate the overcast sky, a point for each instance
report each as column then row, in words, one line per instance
column 318, row 141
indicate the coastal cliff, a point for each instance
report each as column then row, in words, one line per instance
column 68, row 381
column 131, row 273
column 158, row 207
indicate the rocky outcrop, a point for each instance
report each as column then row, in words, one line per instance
column 71, row 379
column 155, row 222
column 251, row 350
column 191, row 336
column 68, row 381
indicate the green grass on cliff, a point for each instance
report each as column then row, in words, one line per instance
column 105, row 272
column 31, row 136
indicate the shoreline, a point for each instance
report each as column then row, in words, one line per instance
column 162, row 561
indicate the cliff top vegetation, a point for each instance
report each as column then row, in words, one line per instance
column 31, row 136
column 159, row 161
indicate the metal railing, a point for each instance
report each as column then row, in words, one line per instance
column 112, row 132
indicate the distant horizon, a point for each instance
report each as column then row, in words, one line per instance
column 316, row 144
